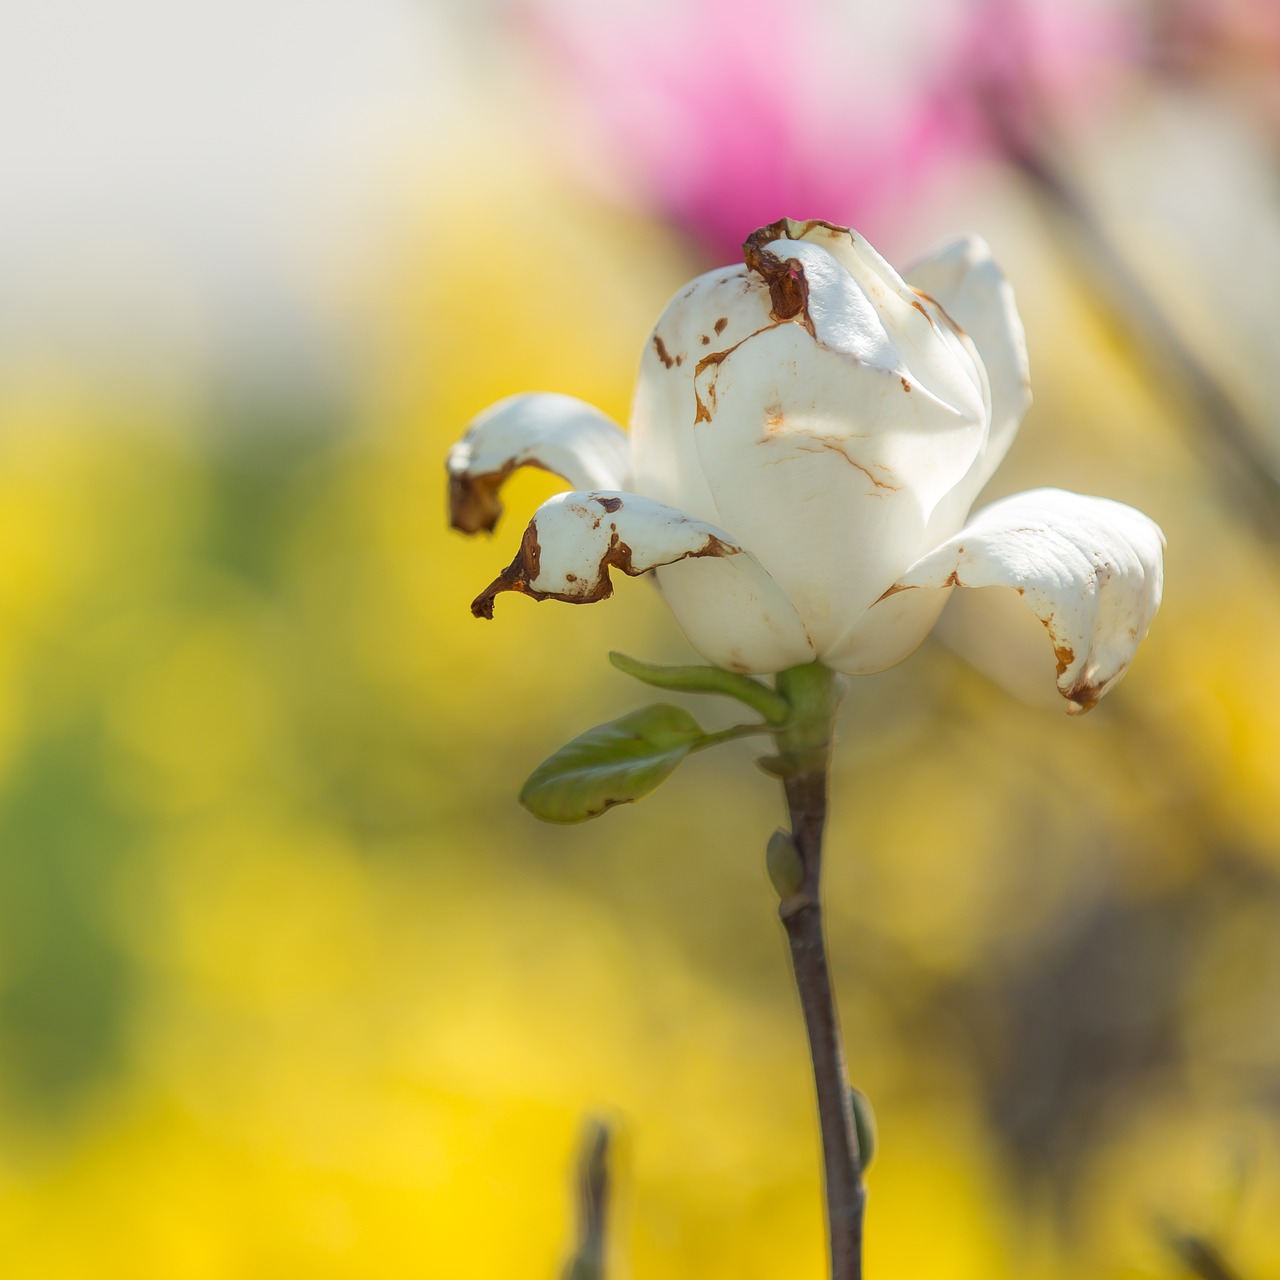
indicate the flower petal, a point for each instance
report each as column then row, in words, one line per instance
column 910, row 336
column 818, row 442
column 885, row 635
column 713, row 313
column 964, row 280
column 734, row 614
column 1092, row 570
column 567, row 437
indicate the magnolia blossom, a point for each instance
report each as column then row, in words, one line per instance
column 808, row 434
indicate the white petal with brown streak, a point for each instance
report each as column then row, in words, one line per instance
column 734, row 614
column 963, row 278
column 827, row 456
column 1091, row 570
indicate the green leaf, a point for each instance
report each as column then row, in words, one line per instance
column 613, row 763
column 759, row 697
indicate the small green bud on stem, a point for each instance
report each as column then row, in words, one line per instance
column 864, row 1122
column 786, row 868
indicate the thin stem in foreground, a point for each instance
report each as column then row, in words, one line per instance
column 588, row 1261
column 802, row 918
column 804, row 749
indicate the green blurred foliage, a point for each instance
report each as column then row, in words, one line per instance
column 67, row 988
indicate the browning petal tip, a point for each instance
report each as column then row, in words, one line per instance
column 788, row 288
column 474, row 505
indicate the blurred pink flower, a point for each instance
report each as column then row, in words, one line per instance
column 727, row 114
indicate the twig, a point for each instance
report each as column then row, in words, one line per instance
column 1022, row 127
column 587, row 1262
column 802, row 918
column 1199, row 1256
column 1192, row 386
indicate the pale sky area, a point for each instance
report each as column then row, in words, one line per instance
column 172, row 171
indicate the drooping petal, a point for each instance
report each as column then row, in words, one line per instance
column 1092, row 570
column 963, row 278
column 557, row 433
column 734, row 614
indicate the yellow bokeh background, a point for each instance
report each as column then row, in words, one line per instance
column 290, row 985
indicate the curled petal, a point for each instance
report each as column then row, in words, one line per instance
column 734, row 614
column 567, row 437
column 574, row 539
column 1092, row 571
column 963, row 279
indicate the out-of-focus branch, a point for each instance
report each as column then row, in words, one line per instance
column 1200, row 1257
column 587, row 1262
column 1216, row 427
column 1189, row 384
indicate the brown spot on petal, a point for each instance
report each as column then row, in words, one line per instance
column 906, row 386
column 792, row 229
column 610, row 504
column 663, row 354
column 1084, row 695
column 1065, row 655
column 714, row 547
column 942, row 311
column 473, row 500
column 834, row 444
column 705, row 339
column 785, row 278
column 706, row 408
column 516, row 576
column 721, row 325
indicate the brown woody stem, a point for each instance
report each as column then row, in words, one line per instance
column 804, row 750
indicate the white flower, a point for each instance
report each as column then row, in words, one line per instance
column 808, row 434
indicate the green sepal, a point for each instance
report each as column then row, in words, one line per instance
column 614, row 763
column 759, row 697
